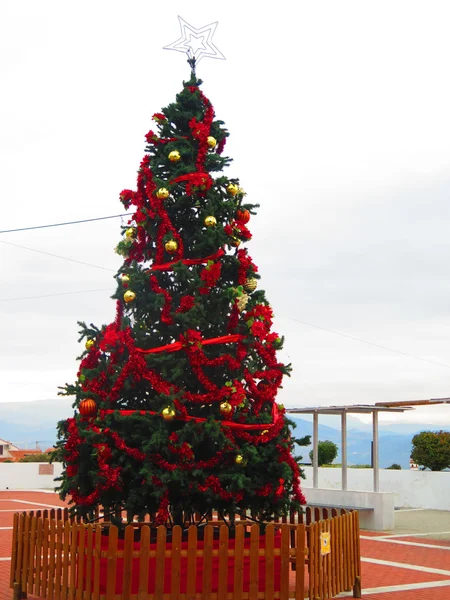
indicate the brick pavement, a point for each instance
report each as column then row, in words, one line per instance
column 381, row 579
column 413, row 555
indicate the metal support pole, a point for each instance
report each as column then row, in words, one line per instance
column 344, row 448
column 376, row 464
column 315, row 450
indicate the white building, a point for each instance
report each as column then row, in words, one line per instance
column 5, row 449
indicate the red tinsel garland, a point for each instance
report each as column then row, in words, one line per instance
column 162, row 515
column 201, row 129
column 245, row 265
column 212, row 482
column 90, row 361
column 155, row 208
column 184, row 451
column 187, row 302
column 119, row 313
column 165, row 313
column 165, row 227
column 267, row 352
column 121, row 445
column 210, row 275
column 262, row 312
column 219, row 361
column 221, row 145
column 285, row 456
column 233, row 319
column 109, row 476
column 73, row 442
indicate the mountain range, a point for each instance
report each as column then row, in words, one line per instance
column 33, row 424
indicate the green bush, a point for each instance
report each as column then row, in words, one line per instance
column 327, row 452
column 395, row 467
column 431, row 449
column 44, row 457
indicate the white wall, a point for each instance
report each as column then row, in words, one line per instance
column 25, row 476
column 412, row 489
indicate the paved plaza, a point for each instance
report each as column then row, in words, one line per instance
column 411, row 562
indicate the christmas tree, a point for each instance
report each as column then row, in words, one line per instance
column 175, row 400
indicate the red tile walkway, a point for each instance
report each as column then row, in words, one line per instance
column 393, row 568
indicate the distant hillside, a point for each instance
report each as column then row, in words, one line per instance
column 393, row 446
column 28, row 423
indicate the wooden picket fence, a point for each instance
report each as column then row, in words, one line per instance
column 55, row 557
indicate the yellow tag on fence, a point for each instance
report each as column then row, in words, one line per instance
column 325, row 543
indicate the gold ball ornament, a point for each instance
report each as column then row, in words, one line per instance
column 168, row 413
column 124, row 278
column 130, row 233
column 171, row 246
column 234, row 241
column 162, row 193
column 129, row 296
column 174, row 156
column 232, row 189
column 89, row 344
column 211, row 141
column 242, row 302
column 239, row 459
column 250, row 284
column 225, row 408
column 210, row 221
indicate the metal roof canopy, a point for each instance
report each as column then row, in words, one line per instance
column 352, row 408
column 343, row 411
column 413, row 403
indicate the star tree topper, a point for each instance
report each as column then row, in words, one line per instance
column 196, row 43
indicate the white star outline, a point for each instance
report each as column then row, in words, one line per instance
column 196, row 43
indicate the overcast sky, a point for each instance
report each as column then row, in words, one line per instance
column 340, row 128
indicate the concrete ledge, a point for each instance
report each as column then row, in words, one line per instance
column 379, row 513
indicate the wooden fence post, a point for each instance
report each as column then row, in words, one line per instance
column 357, row 586
column 17, row 591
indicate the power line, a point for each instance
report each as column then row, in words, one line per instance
column 53, row 295
column 57, row 256
column 351, row 337
column 66, row 223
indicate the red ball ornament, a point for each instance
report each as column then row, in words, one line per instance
column 88, row 408
column 263, row 385
column 243, row 216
